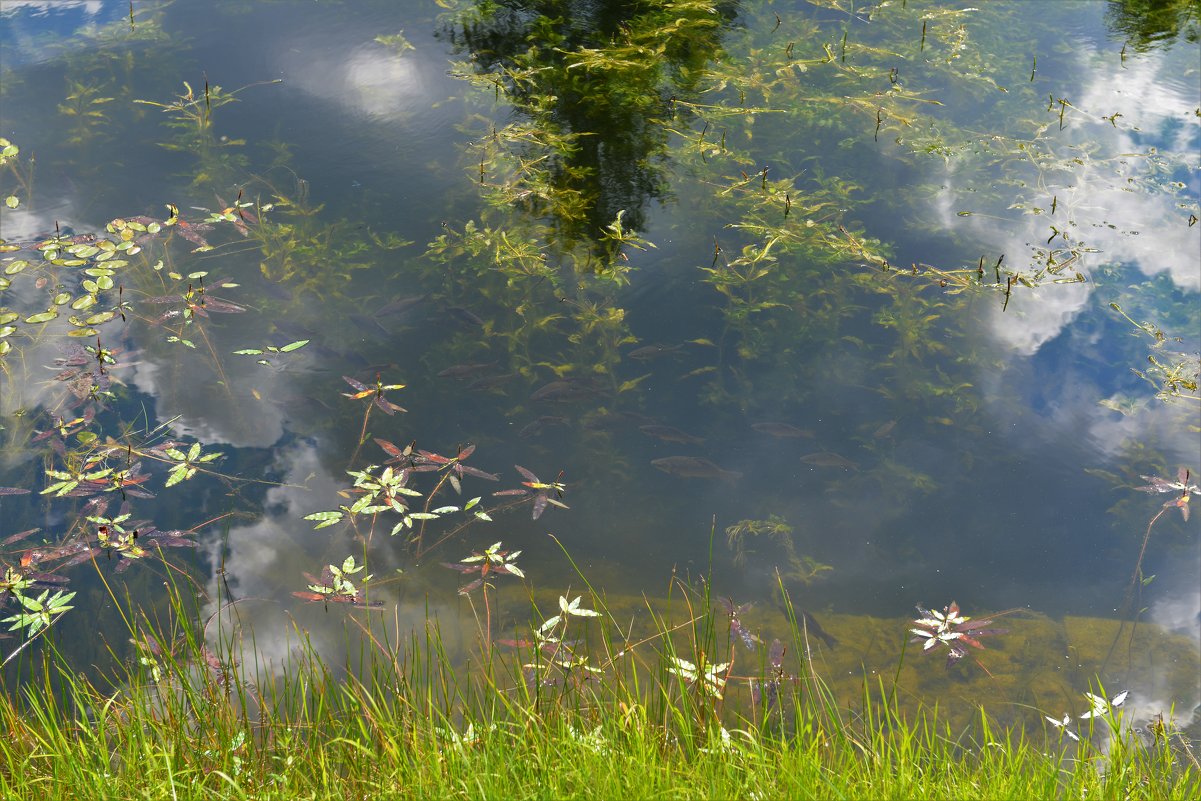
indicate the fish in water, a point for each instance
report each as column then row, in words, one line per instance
column 466, row 370
column 884, row 430
column 465, row 316
column 693, row 467
column 606, row 419
column 491, row 381
column 815, row 628
column 648, row 352
column 536, row 427
column 564, row 390
column 828, row 459
column 782, row 430
column 399, row 306
column 670, row 434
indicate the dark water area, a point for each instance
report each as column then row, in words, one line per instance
column 929, row 444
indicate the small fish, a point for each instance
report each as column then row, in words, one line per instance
column 367, row 324
column 273, row 289
column 670, row 434
column 782, row 430
column 490, row 381
column 465, row 316
column 399, row 306
column 466, row 370
column 563, row 390
column 536, row 427
column 648, row 352
column 694, row 467
column 884, row 430
column 815, row 628
column 606, row 419
column 828, row 459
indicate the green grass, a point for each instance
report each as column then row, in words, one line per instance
column 406, row 722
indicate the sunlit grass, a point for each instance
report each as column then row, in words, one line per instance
column 186, row 719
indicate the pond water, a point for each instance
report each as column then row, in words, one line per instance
column 854, row 325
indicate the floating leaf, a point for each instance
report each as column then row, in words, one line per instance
column 324, row 518
column 42, row 317
column 291, row 346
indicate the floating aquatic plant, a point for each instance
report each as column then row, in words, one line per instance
column 952, row 629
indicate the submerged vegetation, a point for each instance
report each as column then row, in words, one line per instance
column 134, row 430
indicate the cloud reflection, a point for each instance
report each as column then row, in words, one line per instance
column 1123, row 206
column 264, row 563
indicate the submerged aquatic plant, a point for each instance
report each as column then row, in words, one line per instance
column 952, row 629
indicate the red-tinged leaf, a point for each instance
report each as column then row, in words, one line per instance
column 166, row 541
column 435, row 458
column 540, row 502
column 363, row 388
column 13, row 491
column 10, row 539
column 776, row 654
column 465, row 452
column 460, row 567
column 309, row 596
column 516, row 643
column 528, row 475
column 387, row 406
column 189, row 232
column 972, row 625
column 78, row 559
column 221, row 306
column 48, row 578
column 467, row 588
column 511, row 492
column 391, row 449
column 471, row 471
